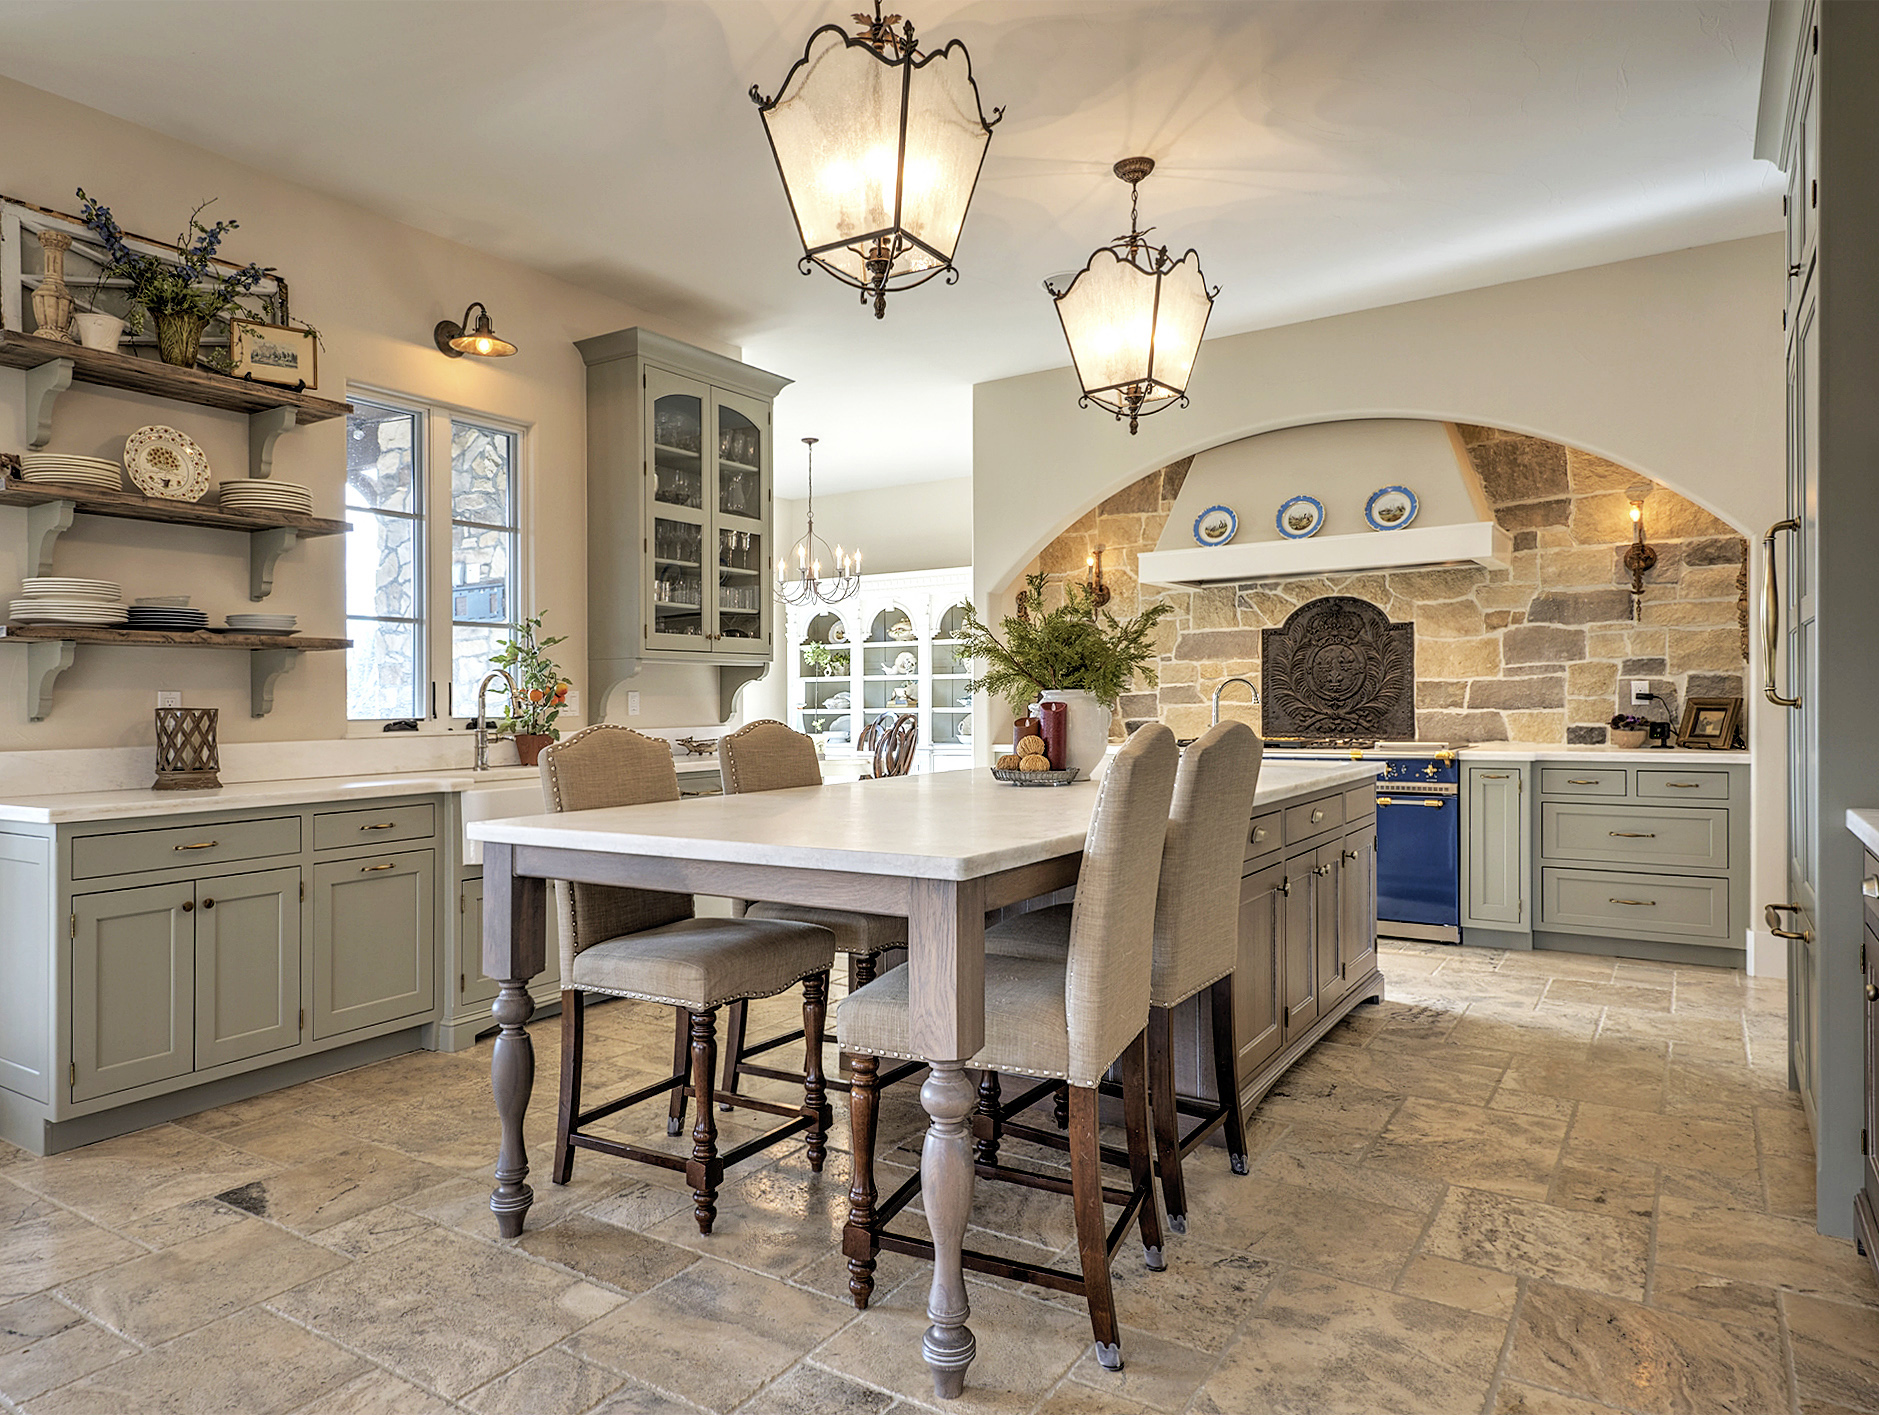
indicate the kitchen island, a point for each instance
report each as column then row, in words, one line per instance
column 941, row 850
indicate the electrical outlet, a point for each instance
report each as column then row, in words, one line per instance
column 169, row 698
column 1640, row 691
column 632, row 704
column 574, row 700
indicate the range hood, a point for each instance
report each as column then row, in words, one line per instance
column 1340, row 464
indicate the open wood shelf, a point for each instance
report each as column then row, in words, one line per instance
column 134, row 506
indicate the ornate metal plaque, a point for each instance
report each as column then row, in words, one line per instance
column 1339, row 668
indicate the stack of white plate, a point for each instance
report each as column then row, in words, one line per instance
column 261, row 623
column 71, row 471
column 259, row 494
column 50, row 599
column 172, row 617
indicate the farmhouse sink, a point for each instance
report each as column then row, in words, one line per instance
column 498, row 801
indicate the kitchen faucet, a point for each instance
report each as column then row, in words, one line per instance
column 482, row 713
column 1251, row 686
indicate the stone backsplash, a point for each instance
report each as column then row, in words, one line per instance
column 1534, row 653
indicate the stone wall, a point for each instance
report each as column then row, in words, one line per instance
column 1534, row 653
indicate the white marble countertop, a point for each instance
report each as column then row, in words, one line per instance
column 941, row 825
column 1863, row 821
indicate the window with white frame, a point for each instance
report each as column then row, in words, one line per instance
column 433, row 572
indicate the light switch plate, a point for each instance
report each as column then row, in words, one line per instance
column 1640, row 691
column 574, row 701
column 632, row 704
column 169, row 698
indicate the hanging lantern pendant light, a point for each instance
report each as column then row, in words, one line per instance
column 1134, row 317
column 808, row 586
column 879, row 146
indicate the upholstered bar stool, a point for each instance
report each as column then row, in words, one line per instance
column 1068, row 1018
column 1197, row 909
column 645, row 944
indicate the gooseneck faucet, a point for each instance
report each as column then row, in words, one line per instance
column 482, row 713
column 1251, row 687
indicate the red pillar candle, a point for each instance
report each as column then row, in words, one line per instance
column 1026, row 726
column 1056, row 733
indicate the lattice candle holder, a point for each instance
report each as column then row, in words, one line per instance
column 187, row 759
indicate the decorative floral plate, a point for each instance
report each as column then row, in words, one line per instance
column 1216, row 525
column 164, row 462
column 1300, row 517
column 1390, row 508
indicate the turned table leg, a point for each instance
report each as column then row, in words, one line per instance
column 515, row 933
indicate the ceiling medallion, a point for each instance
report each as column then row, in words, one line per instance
column 1134, row 317
column 879, row 146
column 808, row 586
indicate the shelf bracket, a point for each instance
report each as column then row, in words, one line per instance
column 731, row 677
column 264, row 430
column 45, row 523
column 265, row 668
column 46, row 659
column 43, row 387
column 264, row 549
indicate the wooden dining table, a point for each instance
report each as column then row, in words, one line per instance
column 939, row 849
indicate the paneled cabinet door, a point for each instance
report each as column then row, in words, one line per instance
column 677, row 589
column 1299, row 975
column 133, row 988
column 1870, row 1171
column 1495, row 861
column 473, row 988
column 247, row 965
column 1258, row 973
column 373, row 957
column 1327, row 920
column 1357, row 905
column 739, row 545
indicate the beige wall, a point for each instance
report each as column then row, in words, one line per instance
column 374, row 288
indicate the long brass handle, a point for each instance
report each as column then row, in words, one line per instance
column 1495, row 775
column 1633, row 834
column 1427, row 801
column 1683, row 785
column 1771, row 915
column 200, row 845
column 1639, row 903
column 388, row 865
column 1771, row 615
column 1582, row 781
column 382, row 825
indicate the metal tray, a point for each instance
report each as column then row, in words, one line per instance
column 1036, row 778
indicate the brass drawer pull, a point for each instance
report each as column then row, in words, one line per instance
column 1582, row 781
column 1771, row 915
column 388, row 865
column 382, row 825
column 1684, row 785
column 1640, row 903
column 1495, row 775
column 200, row 845
column 1435, row 801
column 1633, row 834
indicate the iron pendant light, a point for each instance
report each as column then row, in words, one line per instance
column 1134, row 317
column 879, row 146
column 809, row 586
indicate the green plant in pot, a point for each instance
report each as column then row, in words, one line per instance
column 824, row 661
column 1078, row 654
column 541, row 692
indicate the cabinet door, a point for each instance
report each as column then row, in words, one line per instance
column 1257, row 975
column 473, row 988
column 740, row 501
column 1357, row 905
column 247, row 965
column 1300, row 971
column 1495, row 850
column 133, row 988
column 678, row 428
column 372, row 941
column 1869, row 1171
column 1327, row 920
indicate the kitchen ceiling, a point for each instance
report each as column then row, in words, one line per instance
column 1324, row 157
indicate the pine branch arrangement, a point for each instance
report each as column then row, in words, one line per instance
column 1072, row 646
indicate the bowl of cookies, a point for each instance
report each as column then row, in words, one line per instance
column 1029, row 766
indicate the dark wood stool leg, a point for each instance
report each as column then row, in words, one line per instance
column 1062, row 1108
column 572, row 1029
column 864, row 968
column 1086, row 1179
column 735, row 1020
column 1135, row 1118
column 815, row 1102
column 704, row 1171
column 681, row 1066
column 1167, row 1119
column 1226, row 1072
column 858, row 1234
column 986, row 1151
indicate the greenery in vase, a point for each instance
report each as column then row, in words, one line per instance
column 1075, row 645
column 186, row 285
column 826, row 662
column 540, row 690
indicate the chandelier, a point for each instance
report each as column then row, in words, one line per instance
column 808, row 586
column 1134, row 317
column 879, row 146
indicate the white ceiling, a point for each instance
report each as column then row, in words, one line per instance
column 1323, row 157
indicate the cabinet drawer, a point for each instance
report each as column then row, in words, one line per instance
column 1660, row 785
column 333, row 830
column 172, row 847
column 1314, row 817
column 1263, row 836
column 1635, row 835
column 1679, row 906
column 1584, row 781
column 1360, row 804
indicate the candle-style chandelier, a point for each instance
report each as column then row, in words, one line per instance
column 807, row 586
column 879, row 146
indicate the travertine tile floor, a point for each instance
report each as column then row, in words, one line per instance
column 1546, row 1184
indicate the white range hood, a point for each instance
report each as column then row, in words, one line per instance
column 1340, row 464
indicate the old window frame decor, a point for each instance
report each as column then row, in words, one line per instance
column 245, row 338
column 1700, row 729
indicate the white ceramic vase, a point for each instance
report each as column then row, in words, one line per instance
column 97, row 330
column 1086, row 727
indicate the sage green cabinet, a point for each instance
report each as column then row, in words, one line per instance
column 1257, row 1015
column 1300, row 976
column 1327, row 920
column 247, row 965
column 473, row 987
column 133, row 987
column 1497, row 853
column 373, row 954
column 1357, row 906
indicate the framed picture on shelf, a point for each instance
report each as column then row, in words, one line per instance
column 273, row 353
column 1710, row 722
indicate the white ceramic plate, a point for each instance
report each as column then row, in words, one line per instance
column 166, row 463
column 61, row 582
column 163, row 601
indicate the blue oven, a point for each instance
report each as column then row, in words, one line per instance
column 1419, row 849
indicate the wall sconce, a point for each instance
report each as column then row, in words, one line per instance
column 1093, row 579
column 481, row 339
column 1639, row 557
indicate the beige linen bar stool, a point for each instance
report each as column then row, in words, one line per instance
column 1069, row 1018
column 1197, row 909
column 645, row 944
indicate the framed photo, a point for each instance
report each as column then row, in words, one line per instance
column 1710, row 722
column 273, row 353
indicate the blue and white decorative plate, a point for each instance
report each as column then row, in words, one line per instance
column 1390, row 508
column 1300, row 517
column 1216, row 525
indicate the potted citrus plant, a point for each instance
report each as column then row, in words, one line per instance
column 541, row 692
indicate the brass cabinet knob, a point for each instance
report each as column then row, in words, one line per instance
column 1870, row 886
column 1872, row 992
column 189, row 906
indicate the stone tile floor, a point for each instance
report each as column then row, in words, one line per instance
column 1534, row 1183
